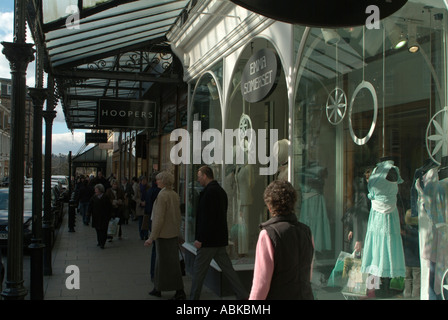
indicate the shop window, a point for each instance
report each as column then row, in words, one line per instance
column 243, row 181
column 362, row 98
column 205, row 111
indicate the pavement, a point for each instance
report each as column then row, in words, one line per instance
column 120, row 271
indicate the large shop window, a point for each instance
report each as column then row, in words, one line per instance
column 205, row 114
column 243, row 182
column 363, row 99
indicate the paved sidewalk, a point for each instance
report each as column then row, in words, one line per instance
column 120, row 271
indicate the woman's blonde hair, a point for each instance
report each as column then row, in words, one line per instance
column 167, row 179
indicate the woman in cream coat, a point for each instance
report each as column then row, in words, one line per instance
column 166, row 220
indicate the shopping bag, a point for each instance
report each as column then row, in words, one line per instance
column 113, row 227
column 397, row 283
column 355, row 280
column 335, row 279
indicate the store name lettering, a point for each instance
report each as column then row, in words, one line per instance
column 124, row 113
column 220, row 148
column 260, row 81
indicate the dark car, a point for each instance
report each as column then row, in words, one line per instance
column 4, row 182
column 27, row 216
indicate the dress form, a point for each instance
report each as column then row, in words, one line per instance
column 281, row 152
column 244, row 182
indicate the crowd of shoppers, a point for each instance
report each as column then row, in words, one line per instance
column 284, row 251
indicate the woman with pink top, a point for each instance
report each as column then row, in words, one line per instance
column 285, row 249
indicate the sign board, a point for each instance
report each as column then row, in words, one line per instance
column 260, row 75
column 95, row 137
column 106, row 146
column 322, row 13
column 126, row 114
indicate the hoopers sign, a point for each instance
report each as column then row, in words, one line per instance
column 126, row 114
column 260, row 75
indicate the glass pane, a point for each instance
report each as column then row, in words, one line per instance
column 243, row 181
column 363, row 104
column 206, row 111
column 56, row 9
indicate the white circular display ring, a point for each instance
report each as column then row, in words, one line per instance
column 336, row 106
column 368, row 86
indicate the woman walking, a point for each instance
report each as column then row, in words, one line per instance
column 166, row 220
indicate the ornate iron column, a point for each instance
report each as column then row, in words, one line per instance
column 47, row 223
column 19, row 54
column 37, row 247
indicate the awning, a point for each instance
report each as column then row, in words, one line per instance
column 94, row 157
column 106, row 49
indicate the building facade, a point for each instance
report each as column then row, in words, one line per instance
column 339, row 102
column 5, row 130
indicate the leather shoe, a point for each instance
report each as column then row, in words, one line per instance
column 180, row 295
column 155, row 293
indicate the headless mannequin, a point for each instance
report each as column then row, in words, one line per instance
column 392, row 175
column 443, row 170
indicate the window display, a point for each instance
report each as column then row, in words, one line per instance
column 359, row 98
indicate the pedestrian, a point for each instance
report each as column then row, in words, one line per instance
column 100, row 208
column 116, row 196
column 135, row 196
column 85, row 193
column 285, row 249
column 150, row 198
column 140, row 207
column 100, row 179
column 126, row 186
column 212, row 235
column 166, row 220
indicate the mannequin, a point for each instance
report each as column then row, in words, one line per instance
column 392, row 175
column 443, row 170
column 425, row 186
column 383, row 254
column 314, row 209
column 244, row 181
column 281, row 150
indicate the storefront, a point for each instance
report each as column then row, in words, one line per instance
column 341, row 102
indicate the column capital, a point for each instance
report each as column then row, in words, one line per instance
column 38, row 95
column 49, row 115
column 19, row 55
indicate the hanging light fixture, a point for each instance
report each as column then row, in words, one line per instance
column 413, row 45
column 331, row 37
column 397, row 38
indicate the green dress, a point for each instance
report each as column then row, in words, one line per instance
column 383, row 254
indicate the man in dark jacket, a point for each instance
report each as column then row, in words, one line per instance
column 212, row 235
column 100, row 209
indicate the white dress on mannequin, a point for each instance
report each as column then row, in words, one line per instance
column 425, row 227
column 244, row 184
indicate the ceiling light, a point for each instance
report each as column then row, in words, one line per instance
column 413, row 46
column 397, row 38
column 331, row 37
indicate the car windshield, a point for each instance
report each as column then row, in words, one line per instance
column 27, row 203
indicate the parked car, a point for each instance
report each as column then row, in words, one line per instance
column 62, row 179
column 27, row 216
column 4, row 182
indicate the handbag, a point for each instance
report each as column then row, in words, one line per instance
column 112, row 228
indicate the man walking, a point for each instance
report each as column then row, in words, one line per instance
column 212, row 235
